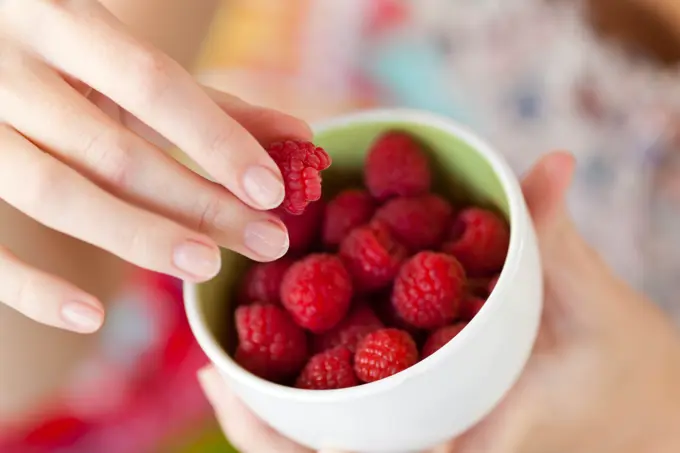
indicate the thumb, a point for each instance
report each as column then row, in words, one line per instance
column 578, row 280
column 545, row 188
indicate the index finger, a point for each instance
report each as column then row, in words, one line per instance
column 84, row 41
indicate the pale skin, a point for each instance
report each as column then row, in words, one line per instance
column 87, row 104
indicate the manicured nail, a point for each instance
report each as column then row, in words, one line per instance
column 199, row 260
column 264, row 187
column 266, row 238
column 82, row 316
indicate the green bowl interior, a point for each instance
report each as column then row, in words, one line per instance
column 461, row 174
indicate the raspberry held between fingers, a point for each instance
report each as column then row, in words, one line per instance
column 300, row 163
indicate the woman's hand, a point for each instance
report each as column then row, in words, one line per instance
column 85, row 109
column 605, row 373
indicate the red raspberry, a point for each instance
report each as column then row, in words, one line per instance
column 372, row 256
column 328, row 370
column 300, row 163
column 303, row 229
column 493, row 283
column 360, row 321
column 383, row 353
column 348, row 210
column 478, row 287
column 317, row 291
column 470, row 307
column 439, row 338
column 479, row 239
column 417, row 222
column 262, row 283
column 396, row 165
column 389, row 316
column 428, row 290
column 270, row 344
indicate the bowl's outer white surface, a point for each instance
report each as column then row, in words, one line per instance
column 442, row 396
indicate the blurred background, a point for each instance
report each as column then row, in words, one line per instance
column 596, row 78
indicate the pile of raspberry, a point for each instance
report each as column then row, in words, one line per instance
column 376, row 278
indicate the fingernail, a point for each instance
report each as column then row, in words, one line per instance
column 82, row 317
column 197, row 259
column 266, row 238
column 264, row 187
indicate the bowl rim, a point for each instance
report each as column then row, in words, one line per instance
column 519, row 225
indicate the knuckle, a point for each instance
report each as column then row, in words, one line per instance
column 209, row 209
column 47, row 185
column 150, row 74
column 111, row 156
column 219, row 143
column 133, row 243
column 24, row 293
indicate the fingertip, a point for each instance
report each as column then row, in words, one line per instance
column 560, row 165
column 546, row 184
column 264, row 185
column 211, row 383
column 267, row 239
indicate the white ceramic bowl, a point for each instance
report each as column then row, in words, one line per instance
column 450, row 391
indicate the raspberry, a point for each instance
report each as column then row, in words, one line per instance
column 300, row 163
column 372, row 256
column 396, row 165
column 270, row 344
column 360, row 321
column 317, row 291
column 383, row 353
column 470, row 307
column 262, row 283
column 328, row 370
column 389, row 316
column 303, row 229
column 439, row 338
column 479, row 239
column 348, row 210
column 428, row 290
column 493, row 283
column 478, row 287
column 417, row 222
